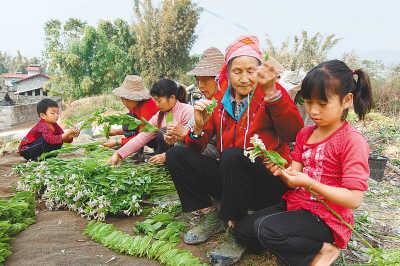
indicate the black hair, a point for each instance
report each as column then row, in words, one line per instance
column 167, row 88
column 335, row 77
column 45, row 104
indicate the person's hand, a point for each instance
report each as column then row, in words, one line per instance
column 177, row 131
column 110, row 143
column 75, row 132
column 267, row 76
column 170, row 139
column 289, row 176
column 115, row 159
column 201, row 116
column 158, row 159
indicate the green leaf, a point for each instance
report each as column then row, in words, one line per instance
column 210, row 108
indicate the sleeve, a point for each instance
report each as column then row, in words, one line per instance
column 137, row 142
column 201, row 143
column 49, row 136
column 285, row 116
column 297, row 152
column 187, row 115
column 355, row 168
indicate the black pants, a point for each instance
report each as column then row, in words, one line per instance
column 294, row 236
column 37, row 148
column 239, row 184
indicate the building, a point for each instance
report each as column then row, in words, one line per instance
column 29, row 84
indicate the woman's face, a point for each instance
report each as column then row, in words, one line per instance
column 129, row 104
column 243, row 74
column 207, row 86
column 165, row 103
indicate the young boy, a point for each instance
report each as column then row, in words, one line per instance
column 46, row 135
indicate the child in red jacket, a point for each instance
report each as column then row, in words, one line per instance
column 46, row 135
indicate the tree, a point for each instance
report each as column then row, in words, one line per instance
column 86, row 60
column 304, row 53
column 165, row 36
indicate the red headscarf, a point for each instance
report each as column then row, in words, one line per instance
column 243, row 46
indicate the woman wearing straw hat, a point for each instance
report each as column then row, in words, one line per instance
column 206, row 72
column 136, row 98
column 170, row 98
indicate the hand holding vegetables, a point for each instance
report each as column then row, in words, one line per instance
column 201, row 115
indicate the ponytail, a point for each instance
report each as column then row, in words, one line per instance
column 167, row 88
column 362, row 99
column 181, row 94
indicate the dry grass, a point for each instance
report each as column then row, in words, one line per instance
column 78, row 109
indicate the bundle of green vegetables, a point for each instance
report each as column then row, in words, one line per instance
column 16, row 214
column 91, row 187
column 140, row 246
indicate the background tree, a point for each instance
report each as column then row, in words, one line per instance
column 305, row 52
column 86, row 60
column 165, row 36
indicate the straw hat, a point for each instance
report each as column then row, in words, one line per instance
column 210, row 63
column 133, row 89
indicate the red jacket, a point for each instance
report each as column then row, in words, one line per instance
column 52, row 134
column 144, row 110
column 276, row 124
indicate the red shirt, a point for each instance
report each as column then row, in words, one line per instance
column 276, row 124
column 146, row 110
column 51, row 133
column 341, row 160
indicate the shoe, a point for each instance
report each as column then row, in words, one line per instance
column 209, row 225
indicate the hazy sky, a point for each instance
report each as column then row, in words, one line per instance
column 371, row 28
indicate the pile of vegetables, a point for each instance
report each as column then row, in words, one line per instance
column 155, row 238
column 16, row 214
column 141, row 246
column 90, row 186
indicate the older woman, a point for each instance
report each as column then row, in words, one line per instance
column 253, row 103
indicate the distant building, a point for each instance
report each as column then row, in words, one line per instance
column 30, row 84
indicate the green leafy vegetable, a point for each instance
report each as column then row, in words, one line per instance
column 210, row 108
column 148, row 127
column 259, row 150
column 140, row 246
column 16, row 214
column 266, row 56
column 169, row 118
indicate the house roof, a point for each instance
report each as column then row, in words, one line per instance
column 33, row 76
column 25, row 90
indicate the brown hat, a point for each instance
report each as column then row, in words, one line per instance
column 133, row 89
column 210, row 63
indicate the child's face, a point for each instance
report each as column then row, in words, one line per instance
column 330, row 112
column 164, row 103
column 51, row 115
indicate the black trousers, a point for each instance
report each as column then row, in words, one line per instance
column 294, row 236
column 237, row 183
column 37, row 148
